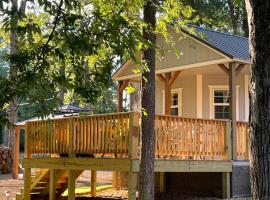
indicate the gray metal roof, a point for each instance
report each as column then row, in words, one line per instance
column 233, row 46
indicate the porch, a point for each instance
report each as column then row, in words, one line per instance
column 112, row 142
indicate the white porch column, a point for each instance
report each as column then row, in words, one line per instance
column 199, row 95
column 232, row 92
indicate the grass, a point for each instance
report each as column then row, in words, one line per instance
column 87, row 190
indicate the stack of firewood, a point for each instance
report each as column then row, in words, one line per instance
column 6, row 158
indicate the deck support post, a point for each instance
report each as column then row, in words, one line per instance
column 16, row 153
column 226, row 189
column 133, row 154
column 93, row 182
column 162, row 182
column 132, row 184
column 232, row 94
column 27, row 184
column 121, row 87
column 71, row 184
column 52, row 190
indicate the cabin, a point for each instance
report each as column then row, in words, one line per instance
column 201, row 129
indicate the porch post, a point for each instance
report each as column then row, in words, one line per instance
column 121, row 87
column 232, row 99
column 120, row 97
column 167, row 94
column 16, row 153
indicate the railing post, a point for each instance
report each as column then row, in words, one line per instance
column 93, row 182
column 16, row 152
column 133, row 135
column 226, row 176
column 133, row 151
column 71, row 138
column 27, row 142
column 229, row 140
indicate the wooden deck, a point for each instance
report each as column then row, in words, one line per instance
column 112, row 141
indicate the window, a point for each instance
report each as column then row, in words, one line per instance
column 176, row 99
column 174, row 103
column 221, row 104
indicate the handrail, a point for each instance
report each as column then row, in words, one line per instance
column 187, row 138
column 103, row 135
column 118, row 135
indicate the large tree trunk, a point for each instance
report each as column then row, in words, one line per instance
column 148, row 104
column 259, row 36
column 12, row 109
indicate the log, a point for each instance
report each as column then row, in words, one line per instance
column 6, row 160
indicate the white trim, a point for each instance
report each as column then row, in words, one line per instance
column 199, row 95
column 246, row 97
column 175, row 68
column 180, row 102
column 211, row 98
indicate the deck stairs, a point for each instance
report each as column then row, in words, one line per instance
column 40, row 184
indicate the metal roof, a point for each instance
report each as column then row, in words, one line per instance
column 233, row 46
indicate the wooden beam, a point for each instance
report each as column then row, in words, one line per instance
column 239, row 68
column 162, row 181
column 161, row 78
column 120, row 96
column 109, row 164
column 52, row 189
column 93, row 183
column 167, row 94
column 124, row 85
column 132, row 185
column 232, row 100
column 188, row 165
column 27, row 184
column 226, row 188
column 174, row 77
column 224, row 68
column 71, row 184
column 16, row 153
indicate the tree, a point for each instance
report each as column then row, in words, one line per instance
column 259, row 119
column 148, row 104
column 55, row 33
column 224, row 15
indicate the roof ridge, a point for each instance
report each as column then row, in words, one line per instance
column 229, row 34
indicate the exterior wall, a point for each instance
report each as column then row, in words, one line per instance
column 188, row 83
column 189, row 93
column 192, row 52
column 223, row 80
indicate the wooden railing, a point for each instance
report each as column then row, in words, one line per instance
column 242, row 152
column 186, row 138
column 117, row 135
column 103, row 135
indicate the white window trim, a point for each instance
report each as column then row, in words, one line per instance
column 177, row 90
column 212, row 88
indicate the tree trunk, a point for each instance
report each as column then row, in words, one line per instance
column 12, row 109
column 234, row 16
column 62, row 71
column 148, row 104
column 259, row 91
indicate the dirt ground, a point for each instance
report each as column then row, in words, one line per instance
column 9, row 187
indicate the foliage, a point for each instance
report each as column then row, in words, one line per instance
column 89, row 36
column 216, row 14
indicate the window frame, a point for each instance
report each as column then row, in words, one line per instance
column 212, row 89
column 174, row 90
